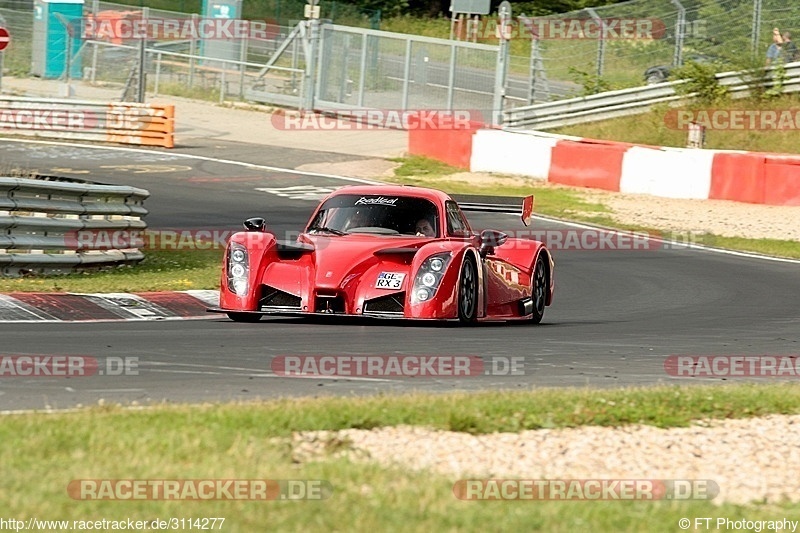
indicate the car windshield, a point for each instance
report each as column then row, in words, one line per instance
column 377, row 214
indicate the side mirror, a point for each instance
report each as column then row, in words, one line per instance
column 255, row 224
column 490, row 239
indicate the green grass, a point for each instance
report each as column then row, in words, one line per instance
column 162, row 270
column 654, row 128
column 44, row 452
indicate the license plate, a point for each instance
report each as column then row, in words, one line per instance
column 390, row 280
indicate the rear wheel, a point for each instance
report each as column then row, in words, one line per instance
column 468, row 291
column 539, row 290
column 244, row 317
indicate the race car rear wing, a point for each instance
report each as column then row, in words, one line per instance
column 498, row 204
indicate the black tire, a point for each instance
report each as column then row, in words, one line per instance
column 244, row 317
column 468, row 291
column 539, row 289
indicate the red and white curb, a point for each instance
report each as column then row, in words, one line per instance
column 72, row 307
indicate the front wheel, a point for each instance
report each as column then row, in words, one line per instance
column 244, row 317
column 468, row 292
column 539, row 290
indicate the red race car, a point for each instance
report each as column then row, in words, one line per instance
column 386, row 251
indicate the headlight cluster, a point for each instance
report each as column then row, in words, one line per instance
column 237, row 269
column 429, row 276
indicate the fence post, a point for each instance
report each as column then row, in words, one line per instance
column 601, row 42
column 406, row 76
column 243, row 58
column 158, row 73
column 309, row 78
column 142, row 82
column 362, row 75
column 504, row 12
column 680, row 26
column 755, row 34
column 95, row 9
column 222, row 82
column 451, row 76
column 192, row 50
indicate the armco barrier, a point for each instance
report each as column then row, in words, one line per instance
column 117, row 122
column 39, row 220
column 772, row 179
column 634, row 101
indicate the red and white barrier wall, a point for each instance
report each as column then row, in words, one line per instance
column 752, row 177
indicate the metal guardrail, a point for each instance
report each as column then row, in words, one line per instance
column 52, row 226
column 128, row 123
column 625, row 102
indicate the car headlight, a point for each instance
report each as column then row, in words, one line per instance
column 428, row 277
column 238, row 269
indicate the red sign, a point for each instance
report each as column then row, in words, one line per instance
column 5, row 38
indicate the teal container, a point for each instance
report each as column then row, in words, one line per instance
column 57, row 27
column 217, row 47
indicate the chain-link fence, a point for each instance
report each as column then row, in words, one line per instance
column 729, row 34
column 358, row 67
column 364, row 68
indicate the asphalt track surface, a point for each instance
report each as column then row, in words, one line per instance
column 617, row 313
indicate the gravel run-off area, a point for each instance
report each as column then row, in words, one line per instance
column 750, row 460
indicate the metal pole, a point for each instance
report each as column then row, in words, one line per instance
column 95, row 9
column 243, row 58
column 295, row 60
column 534, row 70
column 192, row 50
column 451, row 77
column 406, row 76
column 362, row 79
column 158, row 73
column 756, row 29
column 504, row 11
column 680, row 31
column 601, row 42
column 309, row 82
column 141, row 84
column 222, row 83
column 1, row 71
